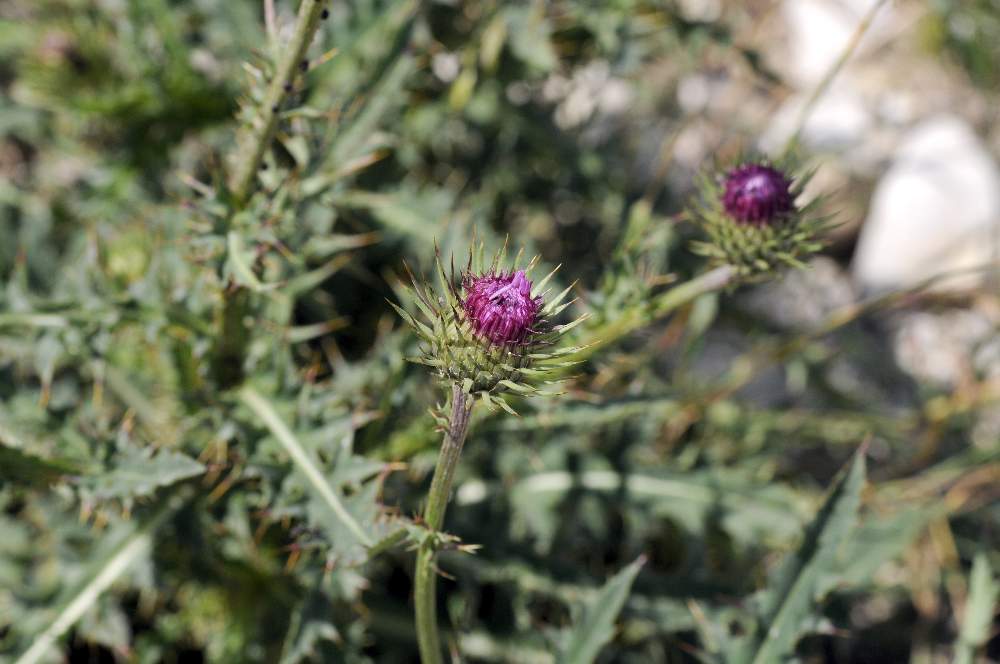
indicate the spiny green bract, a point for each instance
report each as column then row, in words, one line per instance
column 756, row 250
column 482, row 366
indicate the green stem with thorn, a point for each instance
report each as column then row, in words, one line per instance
column 424, row 595
column 255, row 139
column 234, row 335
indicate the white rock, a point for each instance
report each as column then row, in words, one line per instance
column 592, row 90
column 936, row 210
column 446, row 66
column 943, row 348
column 700, row 91
column 845, row 115
column 693, row 93
column 701, row 10
column 820, row 30
column 839, row 122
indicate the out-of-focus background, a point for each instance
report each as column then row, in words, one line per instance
column 704, row 441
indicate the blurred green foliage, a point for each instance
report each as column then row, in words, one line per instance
column 970, row 31
column 707, row 443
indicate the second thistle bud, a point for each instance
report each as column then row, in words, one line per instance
column 752, row 219
column 757, row 194
column 491, row 330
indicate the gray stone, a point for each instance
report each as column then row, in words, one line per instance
column 936, row 210
column 802, row 299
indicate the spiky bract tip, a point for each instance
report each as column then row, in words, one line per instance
column 750, row 213
column 490, row 329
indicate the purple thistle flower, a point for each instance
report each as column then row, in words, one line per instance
column 757, row 194
column 500, row 306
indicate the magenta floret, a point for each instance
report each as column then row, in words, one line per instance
column 757, row 194
column 500, row 307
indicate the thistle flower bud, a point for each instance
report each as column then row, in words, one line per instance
column 491, row 330
column 500, row 306
column 752, row 220
column 757, row 194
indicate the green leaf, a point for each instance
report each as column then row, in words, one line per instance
column 123, row 549
column 529, row 39
column 878, row 538
column 789, row 605
column 305, row 282
column 308, row 466
column 240, row 268
column 312, row 632
column 328, row 245
column 107, row 624
column 979, row 609
column 415, row 214
column 21, row 468
column 596, row 626
column 139, row 473
column 386, row 95
column 749, row 510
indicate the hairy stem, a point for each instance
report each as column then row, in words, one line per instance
column 255, row 139
column 437, row 502
column 709, row 282
column 233, row 335
column 231, row 338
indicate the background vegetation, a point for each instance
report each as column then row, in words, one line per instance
column 160, row 503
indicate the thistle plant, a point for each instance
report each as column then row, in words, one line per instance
column 490, row 330
column 753, row 220
column 487, row 332
column 203, row 410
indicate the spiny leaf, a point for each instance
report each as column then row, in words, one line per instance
column 984, row 589
column 312, row 633
column 749, row 510
column 113, row 561
column 308, row 466
column 240, row 268
column 596, row 625
column 789, row 603
column 21, row 468
column 415, row 214
column 877, row 539
column 140, row 472
column 385, row 95
column 540, row 286
column 309, row 280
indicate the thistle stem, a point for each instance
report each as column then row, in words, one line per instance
column 424, row 595
column 709, row 282
column 831, row 74
column 253, row 143
column 234, row 335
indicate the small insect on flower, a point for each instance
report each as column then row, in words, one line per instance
column 490, row 329
column 753, row 223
